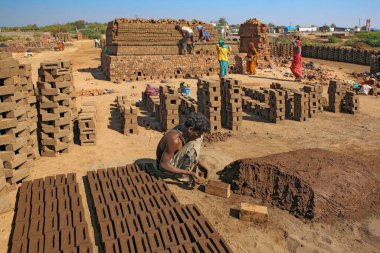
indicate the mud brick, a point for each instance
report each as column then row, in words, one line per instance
column 25, row 187
column 6, row 73
column 73, row 189
column 150, row 203
column 121, row 228
column 141, row 243
column 50, row 65
column 106, row 231
column 102, row 212
column 76, row 203
column 207, row 228
column 7, row 106
column 52, row 241
column 50, row 194
column 183, row 233
column 139, row 206
column 64, row 205
column 133, row 223
column 153, row 189
column 71, row 178
column 161, row 201
column 49, row 182
column 60, row 179
column 128, row 209
column 20, row 231
column 70, row 250
column 92, row 176
column 23, row 210
column 251, row 212
column 65, row 220
column 220, row 244
column 20, row 246
column 62, row 191
column 206, row 245
column 38, row 194
column 51, row 222
column 38, row 209
column 36, row 244
column 112, row 173
column 109, row 197
column 122, row 171
column 194, row 211
column 115, row 211
column 146, row 222
column 168, row 236
column 111, row 246
column 218, row 188
column 155, row 241
column 106, row 185
column 159, row 218
column 81, row 234
column 182, row 213
column 121, row 195
column 142, row 190
column 171, row 216
column 85, row 248
column 95, row 188
column 126, row 244
column 162, row 186
column 102, row 174
column 172, row 199
column 67, row 238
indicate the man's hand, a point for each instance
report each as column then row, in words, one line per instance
column 197, row 180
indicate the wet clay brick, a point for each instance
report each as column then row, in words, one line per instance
column 26, row 187
column 21, row 231
column 162, row 186
column 126, row 244
column 38, row 210
column 155, row 241
column 36, row 227
column 106, row 185
column 60, row 179
column 172, row 199
column 205, row 245
column 150, row 203
column 64, row 205
column 38, row 184
column 109, row 197
column 139, row 206
column 171, row 216
column 91, row 176
column 81, row 234
column 194, row 211
column 70, row 250
column 73, row 189
column 52, row 242
column 121, row 228
column 161, row 201
column 112, row 173
column 86, row 248
column 146, row 222
column 220, row 244
column 195, row 231
column 218, row 188
column 142, row 190
column 106, row 231
column 67, row 238
column 122, row 171
column 111, row 246
column 115, row 211
column 76, row 203
column 50, row 194
column 116, row 184
column 182, row 213
column 102, row 174
column 128, row 209
column 133, row 225
column 121, row 195
column 141, row 243
column 127, row 182
column 191, row 248
column 36, row 244
column 102, row 213
column 168, row 237
column 78, row 217
column 65, row 220
column 23, row 212
column 51, row 223
column 51, row 206
column 98, row 198
column 207, row 228
column 181, row 233
column 49, row 182
column 62, row 191
column 20, row 246
column 71, row 178
column 132, row 193
column 159, row 218
column 38, row 195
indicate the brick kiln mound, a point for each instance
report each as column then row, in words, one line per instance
column 310, row 183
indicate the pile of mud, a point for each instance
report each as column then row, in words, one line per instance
column 209, row 138
column 310, row 183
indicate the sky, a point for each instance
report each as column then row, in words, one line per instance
column 342, row 13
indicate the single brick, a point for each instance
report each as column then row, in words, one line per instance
column 36, row 227
column 155, row 241
column 82, row 235
column 65, row 220
column 38, row 210
column 159, row 218
column 128, row 209
column 171, row 216
column 141, row 243
column 51, row 223
column 60, row 179
column 168, row 237
column 115, row 211
column 134, row 226
column 36, row 244
column 146, row 222
column 52, row 241
column 67, row 238
column 206, row 227
column 102, row 213
column 181, row 233
column 111, row 246
column 20, row 246
column 195, row 231
column 182, row 213
column 21, row 231
column 121, row 228
column 220, row 244
column 106, row 231
column 64, row 205
column 126, row 244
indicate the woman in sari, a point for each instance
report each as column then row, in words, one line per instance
column 296, row 67
column 251, row 59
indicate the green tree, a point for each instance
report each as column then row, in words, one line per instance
column 222, row 21
column 79, row 24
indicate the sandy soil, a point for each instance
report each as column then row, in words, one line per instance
column 356, row 135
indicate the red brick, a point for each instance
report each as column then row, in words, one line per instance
column 155, row 241
column 115, row 211
column 126, row 244
column 67, row 238
column 81, row 234
column 195, row 231
column 182, row 213
column 65, row 220
column 171, row 216
column 36, row 244
column 38, row 210
column 141, row 243
column 85, row 248
column 52, row 241
column 106, row 231
column 60, row 179
column 20, row 246
column 181, row 233
column 134, row 226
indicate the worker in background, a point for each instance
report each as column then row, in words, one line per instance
column 177, row 154
column 60, row 46
column 296, row 67
column 204, row 35
column 223, row 52
column 251, row 59
column 187, row 33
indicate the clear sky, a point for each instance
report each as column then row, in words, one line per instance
column 279, row 12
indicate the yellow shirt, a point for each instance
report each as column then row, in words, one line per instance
column 223, row 53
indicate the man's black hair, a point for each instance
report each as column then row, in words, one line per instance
column 198, row 122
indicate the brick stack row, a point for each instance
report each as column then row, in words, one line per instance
column 281, row 49
column 57, row 107
column 337, row 91
column 128, row 115
column 187, row 106
column 209, row 102
column 375, row 64
column 5, row 203
column 87, row 124
column 351, row 102
column 17, row 145
column 254, row 31
column 258, row 102
column 277, row 105
column 301, row 106
column 314, row 99
column 232, row 110
column 169, row 107
column 50, row 217
column 136, row 212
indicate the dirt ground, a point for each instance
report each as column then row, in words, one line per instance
column 356, row 135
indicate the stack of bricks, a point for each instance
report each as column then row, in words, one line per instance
column 209, row 102
column 301, row 106
column 57, row 107
column 277, row 105
column 314, row 99
column 187, row 106
column 351, row 102
column 375, row 64
column 232, row 110
column 128, row 115
column 169, row 107
column 281, row 49
column 50, row 217
column 136, row 212
column 337, row 91
column 87, row 124
column 259, row 104
column 150, row 102
column 18, row 131
column 5, row 203
column 255, row 31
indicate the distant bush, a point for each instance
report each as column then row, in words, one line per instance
column 371, row 38
column 332, row 39
column 5, row 38
column 91, row 33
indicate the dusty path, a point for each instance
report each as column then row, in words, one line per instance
column 359, row 134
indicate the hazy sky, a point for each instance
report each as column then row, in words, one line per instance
column 279, row 12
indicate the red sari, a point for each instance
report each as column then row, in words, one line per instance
column 296, row 67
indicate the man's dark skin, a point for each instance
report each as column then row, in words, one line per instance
column 174, row 144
